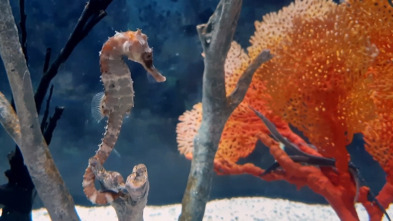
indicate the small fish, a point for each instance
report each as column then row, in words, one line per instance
column 308, row 159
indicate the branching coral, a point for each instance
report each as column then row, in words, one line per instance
column 330, row 78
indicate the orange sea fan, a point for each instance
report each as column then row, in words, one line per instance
column 275, row 26
column 377, row 17
column 378, row 133
column 240, row 133
column 235, row 63
column 243, row 127
column 337, row 74
column 322, row 65
column 233, row 145
column 187, row 128
column 331, row 77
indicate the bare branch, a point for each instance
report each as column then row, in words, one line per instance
column 52, row 124
column 244, row 82
column 46, row 112
column 9, row 120
column 130, row 207
column 47, row 59
column 94, row 11
column 216, row 37
column 22, row 25
column 133, row 193
column 46, row 178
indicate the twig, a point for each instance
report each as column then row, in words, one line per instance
column 46, row 178
column 244, row 82
column 94, row 11
column 22, row 25
column 47, row 59
column 46, row 112
column 52, row 124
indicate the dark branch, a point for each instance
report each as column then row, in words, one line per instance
column 22, row 26
column 17, row 195
column 52, row 124
column 47, row 59
column 93, row 12
column 46, row 113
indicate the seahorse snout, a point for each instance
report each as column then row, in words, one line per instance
column 155, row 73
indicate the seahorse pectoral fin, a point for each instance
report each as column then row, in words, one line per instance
column 97, row 106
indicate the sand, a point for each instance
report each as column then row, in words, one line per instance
column 251, row 208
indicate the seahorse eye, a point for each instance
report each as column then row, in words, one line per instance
column 147, row 56
column 147, row 59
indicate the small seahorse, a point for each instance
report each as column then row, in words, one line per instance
column 118, row 98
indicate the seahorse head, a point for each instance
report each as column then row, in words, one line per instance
column 137, row 49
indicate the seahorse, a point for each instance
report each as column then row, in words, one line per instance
column 117, row 100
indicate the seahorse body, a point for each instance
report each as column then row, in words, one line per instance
column 118, row 98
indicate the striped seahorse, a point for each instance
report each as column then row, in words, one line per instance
column 116, row 101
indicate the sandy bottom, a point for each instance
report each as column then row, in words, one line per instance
column 254, row 208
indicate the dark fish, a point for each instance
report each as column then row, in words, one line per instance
column 308, row 159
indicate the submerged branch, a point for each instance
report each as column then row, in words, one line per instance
column 132, row 194
column 216, row 37
column 131, row 206
column 44, row 122
column 93, row 12
column 46, row 178
column 244, row 82
column 22, row 25
column 52, row 124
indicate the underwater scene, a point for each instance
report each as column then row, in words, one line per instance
column 230, row 109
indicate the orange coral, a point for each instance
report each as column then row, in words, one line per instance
column 331, row 77
column 187, row 128
column 378, row 133
column 330, row 56
column 233, row 145
column 339, row 60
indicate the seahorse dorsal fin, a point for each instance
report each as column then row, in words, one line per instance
column 97, row 106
